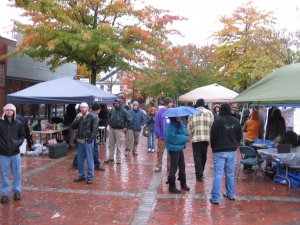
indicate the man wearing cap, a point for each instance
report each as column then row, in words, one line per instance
column 118, row 120
column 134, row 130
column 160, row 126
column 199, row 129
column 12, row 135
column 96, row 110
column 87, row 125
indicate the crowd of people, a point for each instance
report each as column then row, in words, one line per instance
column 220, row 128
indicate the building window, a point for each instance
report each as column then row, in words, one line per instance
column 2, row 81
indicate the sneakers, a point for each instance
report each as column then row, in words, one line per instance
column 157, row 169
column 230, row 198
column 108, row 160
column 149, row 150
column 152, row 150
column 4, row 199
column 17, row 196
column 118, row 161
column 135, row 153
column 79, row 179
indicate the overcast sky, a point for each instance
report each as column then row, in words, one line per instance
column 202, row 15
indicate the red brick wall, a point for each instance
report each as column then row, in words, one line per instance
column 3, row 50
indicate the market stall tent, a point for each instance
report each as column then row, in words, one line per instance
column 280, row 87
column 63, row 90
column 210, row 93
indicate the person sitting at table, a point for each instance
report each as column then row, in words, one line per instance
column 253, row 130
column 276, row 126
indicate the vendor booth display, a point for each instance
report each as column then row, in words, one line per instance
column 210, row 93
column 64, row 90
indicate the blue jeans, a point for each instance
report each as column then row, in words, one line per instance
column 151, row 139
column 85, row 151
column 96, row 154
column 13, row 163
column 223, row 161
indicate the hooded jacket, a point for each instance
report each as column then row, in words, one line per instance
column 252, row 127
column 176, row 136
column 226, row 131
column 119, row 118
column 12, row 136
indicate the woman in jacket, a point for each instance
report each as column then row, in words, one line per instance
column 252, row 128
column 150, row 127
column 176, row 137
column 276, row 126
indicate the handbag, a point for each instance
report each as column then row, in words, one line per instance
column 145, row 131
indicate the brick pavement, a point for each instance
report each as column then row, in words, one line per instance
column 131, row 193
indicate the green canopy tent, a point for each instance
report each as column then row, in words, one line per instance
column 278, row 88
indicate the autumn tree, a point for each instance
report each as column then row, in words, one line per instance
column 98, row 34
column 248, row 48
column 180, row 70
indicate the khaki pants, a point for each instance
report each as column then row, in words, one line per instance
column 116, row 138
column 160, row 152
column 132, row 140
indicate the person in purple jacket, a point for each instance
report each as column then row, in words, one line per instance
column 160, row 127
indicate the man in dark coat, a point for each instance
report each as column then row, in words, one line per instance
column 12, row 135
column 225, row 137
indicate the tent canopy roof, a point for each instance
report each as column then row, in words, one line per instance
column 281, row 86
column 63, row 90
column 210, row 93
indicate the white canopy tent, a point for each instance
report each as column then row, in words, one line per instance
column 210, row 93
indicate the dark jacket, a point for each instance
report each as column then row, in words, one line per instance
column 176, row 136
column 138, row 119
column 150, row 120
column 226, row 132
column 87, row 127
column 119, row 118
column 12, row 136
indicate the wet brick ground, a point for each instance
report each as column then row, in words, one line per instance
column 131, row 193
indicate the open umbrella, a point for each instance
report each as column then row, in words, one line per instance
column 181, row 111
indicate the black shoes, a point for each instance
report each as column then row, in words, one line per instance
column 100, row 168
column 108, row 160
column 4, row 199
column 230, row 198
column 79, row 179
column 17, row 196
column 213, row 202
column 199, row 178
column 89, row 181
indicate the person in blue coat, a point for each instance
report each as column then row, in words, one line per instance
column 134, row 129
column 176, row 137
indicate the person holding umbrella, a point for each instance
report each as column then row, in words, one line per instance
column 176, row 138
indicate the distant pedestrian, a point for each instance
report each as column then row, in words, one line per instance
column 225, row 137
column 234, row 111
column 118, row 120
column 134, row 129
column 87, row 125
column 68, row 120
column 97, row 164
column 150, row 120
column 160, row 127
column 199, row 128
column 176, row 138
column 216, row 111
column 12, row 135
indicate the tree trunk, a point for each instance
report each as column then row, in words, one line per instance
column 93, row 76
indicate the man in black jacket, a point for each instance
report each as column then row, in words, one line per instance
column 12, row 135
column 225, row 137
column 118, row 120
column 87, row 125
